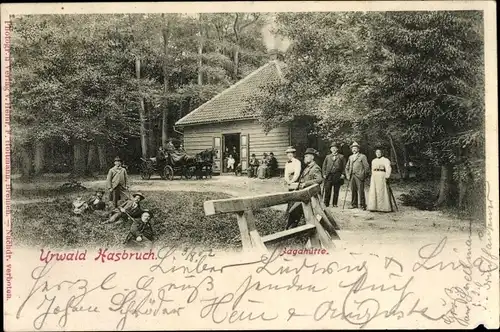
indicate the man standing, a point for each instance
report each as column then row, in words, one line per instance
column 357, row 170
column 333, row 172
column 117, row 182
column 311, row 175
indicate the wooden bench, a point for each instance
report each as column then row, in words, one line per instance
column 320, row 226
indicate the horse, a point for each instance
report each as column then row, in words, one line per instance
column 204, row 161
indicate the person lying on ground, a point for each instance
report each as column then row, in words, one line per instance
column 96, row 202
column 79, row 206
column 141, row 232
column 130, row 209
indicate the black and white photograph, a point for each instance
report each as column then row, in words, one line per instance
column 122, row 118
column 268, row 132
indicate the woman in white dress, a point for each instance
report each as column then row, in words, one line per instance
column 379, row 198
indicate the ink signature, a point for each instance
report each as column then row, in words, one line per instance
column 52, row 304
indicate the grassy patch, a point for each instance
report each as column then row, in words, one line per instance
column 178, row 220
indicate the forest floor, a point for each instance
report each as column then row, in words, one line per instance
column 184, row 198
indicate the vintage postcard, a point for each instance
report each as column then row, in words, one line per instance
column 250, row 165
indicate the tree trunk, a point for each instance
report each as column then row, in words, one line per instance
column 395, row 156
column 406, row 174
column 39, row 157
column 91, row 159
column 79, row 162
column 27, row 162
column 462, row 192
column 236, row 61
column 444, row 186
column 142, row 114
column 200, row 52
column 164, row 115
column 101, row 152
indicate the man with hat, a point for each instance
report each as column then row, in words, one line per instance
column 357, row 170
column 333, row 172
column 310, row 176
column 117, row 182
column 131, row 208
column 141, row 232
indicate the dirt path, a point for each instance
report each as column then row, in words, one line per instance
column 406, row 220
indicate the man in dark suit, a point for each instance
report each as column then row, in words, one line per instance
column 141, row 232
column 333, row 172
column 310, row 176
column 357, row 170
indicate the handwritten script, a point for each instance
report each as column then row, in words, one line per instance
column 190, row 284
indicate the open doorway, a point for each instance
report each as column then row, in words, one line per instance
column 231, row 146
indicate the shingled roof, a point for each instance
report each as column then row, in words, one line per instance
column 229, row 105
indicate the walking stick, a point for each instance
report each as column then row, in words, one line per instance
column 346, row 191
column 392, row 196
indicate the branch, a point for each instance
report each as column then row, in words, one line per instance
column 255, row 19
column 235, row 26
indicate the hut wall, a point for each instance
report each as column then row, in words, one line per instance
column 200, row 137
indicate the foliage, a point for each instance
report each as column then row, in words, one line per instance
column 418, row 76
column 74, row 76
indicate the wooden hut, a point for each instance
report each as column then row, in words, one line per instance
column 223, row 124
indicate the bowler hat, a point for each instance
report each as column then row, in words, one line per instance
column 253, row 155
column 333, row 144
column 355, row 145
column 311, row 151
column 117, row 159
column 138, row 194
column 290, row 149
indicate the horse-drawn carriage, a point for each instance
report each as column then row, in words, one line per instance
column 169, row 164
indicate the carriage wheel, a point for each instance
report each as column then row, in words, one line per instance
column 168, row 173
column 145, row 172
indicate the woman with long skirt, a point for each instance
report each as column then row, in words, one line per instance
column 379, row 198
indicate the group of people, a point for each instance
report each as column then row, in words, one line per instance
column 141, row 231
column 264, row 168
column 336, row 168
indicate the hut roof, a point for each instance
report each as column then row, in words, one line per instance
column 230, row 104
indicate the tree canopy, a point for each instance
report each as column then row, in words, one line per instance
column 417, row 77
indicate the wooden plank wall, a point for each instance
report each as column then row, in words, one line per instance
column 198, row 138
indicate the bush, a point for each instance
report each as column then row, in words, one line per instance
column 423, row 199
